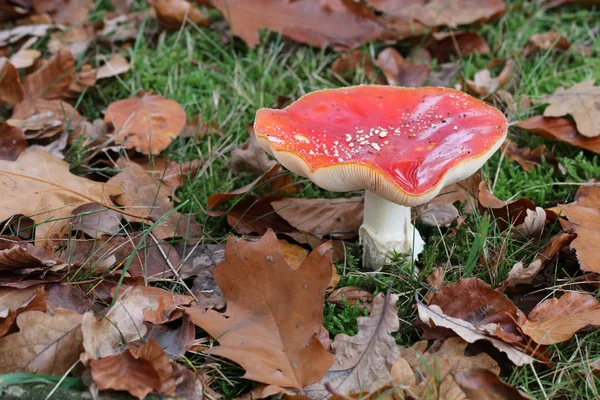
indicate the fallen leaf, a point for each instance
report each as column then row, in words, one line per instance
column 17, row 254
column 434, row 369
column 174, row 342
column 435, row 282
column 352, row 295
column 116, row 65
column 437, row 214
column 123, row 323
column 251, row 156
column 362, row 362
column 75, row 40
column 35, row 19
column 273, row 312
column 349, row 64
column 578, row 101
column 484, row 84
column 556, row 320
column 553, row 41
column 525, row 157
column 442, row 12
column 337, row 23
column 17, row 33
column 521, row 275
column 24, row 58
column 339, row 218
column 96, row 221
column 68, row 297
column 446, row 76
column 146, row 197
column 399, row 71
column 435, row 317
column 39, row 172
column 139, row 372
column 172, row 14
column 41, row 119
column 168, row 304
column 505, row 213
column 561, row 129
column 12, row 141
column 147, row 124
column 52, row 78
column 482, row 384
column 458, row 43
column 17, row 301
column 11, row 90
column 533, row 225
column 65, row 11
column 45, row 344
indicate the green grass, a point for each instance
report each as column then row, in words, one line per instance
column 226, row 84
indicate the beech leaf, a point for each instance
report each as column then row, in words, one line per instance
column 11, row 90
column 561, row 129
column 482, row 384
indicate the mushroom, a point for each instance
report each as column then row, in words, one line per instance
column 401, row 145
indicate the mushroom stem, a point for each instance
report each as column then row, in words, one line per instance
column 387, row 227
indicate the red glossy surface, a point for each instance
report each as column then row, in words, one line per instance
column 413, row 136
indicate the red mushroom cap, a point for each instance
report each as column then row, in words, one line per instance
column 405, row 144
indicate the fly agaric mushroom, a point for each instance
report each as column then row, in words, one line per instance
column 402, row 145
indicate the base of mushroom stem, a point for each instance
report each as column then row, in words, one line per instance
column 377, row 254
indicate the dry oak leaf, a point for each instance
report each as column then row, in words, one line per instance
column 351, row 294
column 40, row 186
column 137, row 371
column 557, row 320
column 17, row 254
column 168, row 304
column 115, row 65
column 12, row 141
column 52, row 78
column 582, row 102
column 484, row 84
column 274, row 312
column 561, row 129
column 145, row 197
column 433, row 369
column 339, row 218
column 527, row 158
column 171, row 14
column 45, row 344
column 17, row 301
column 11, row 89
column 399, row 71
column 546, row 41
column 341, row 24
column 362, row 362
column 482, row 384
column 442, row 12
column 124, row 322
column 147, row 124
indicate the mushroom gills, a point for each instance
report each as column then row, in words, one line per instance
column 387, row 228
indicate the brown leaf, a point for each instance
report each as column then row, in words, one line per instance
column 434, row 369
column 147, row 124
column 45, row 344
column 17, row 33
column 273, row 312
column 17, row 254
column 63, row 192
column 442, row 12
column 115, row 65
column 482, row 384
column 168, row 304
column 146, row 197
column 171, row 14
column 336, row 23
column 11, row 90
column 339, row 218
column 437, row 214
column 65, row 11
column 12, row 141
column 505, row 213
column 446, row 76
column 52, row 78
column 96, row 221
column 362, row 362
column 561, row 129
column 138, row 372
column 556, row 320
column 484, row 84
column 124, row 322
column 582, row 102
column 174, row 342
column 68, row 297
column 521, row 275
column 351, row 294
column 546, row 41
column 349, row 64
column 435, row 282
column 526, row 157
column 399, row 71
column 251, row 155
column 24, row 58
column 41, row 119
column 458, row 43
column 17, row 301
column 75, row 40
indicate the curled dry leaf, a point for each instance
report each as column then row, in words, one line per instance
column 546, row 41
column 482, row 384
column 124, row 322
column 146, row 197
column 147, row 124
column 399, row 71
column 17, row 33
column 351, row 294
column 435, row 282
column 362, row 362
column 336, row 23
column 17, row 254
column 348, row 64
column 69, row 297
column 273, row 312
column 168, row 304
column 11, row 90
column 68, row 12
column 557, row 320
column 251, row 155
column 96, row 221
column 339, row 218
column 45, row 344
column 74, row 40
column 52, row 78
column 444, row 44
column 437, row 214
column 484, row 84
column 12, row 141
column 505, row 213
column 41, row 119
column 521, row 275
column 39, row 172
column 526, row 157
column 577, row 101
column 561, row 129
column 116, row 65
column 17, row 301
column 24, row 58
column 139, row 372
column 171, row 14
column 174, row 341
